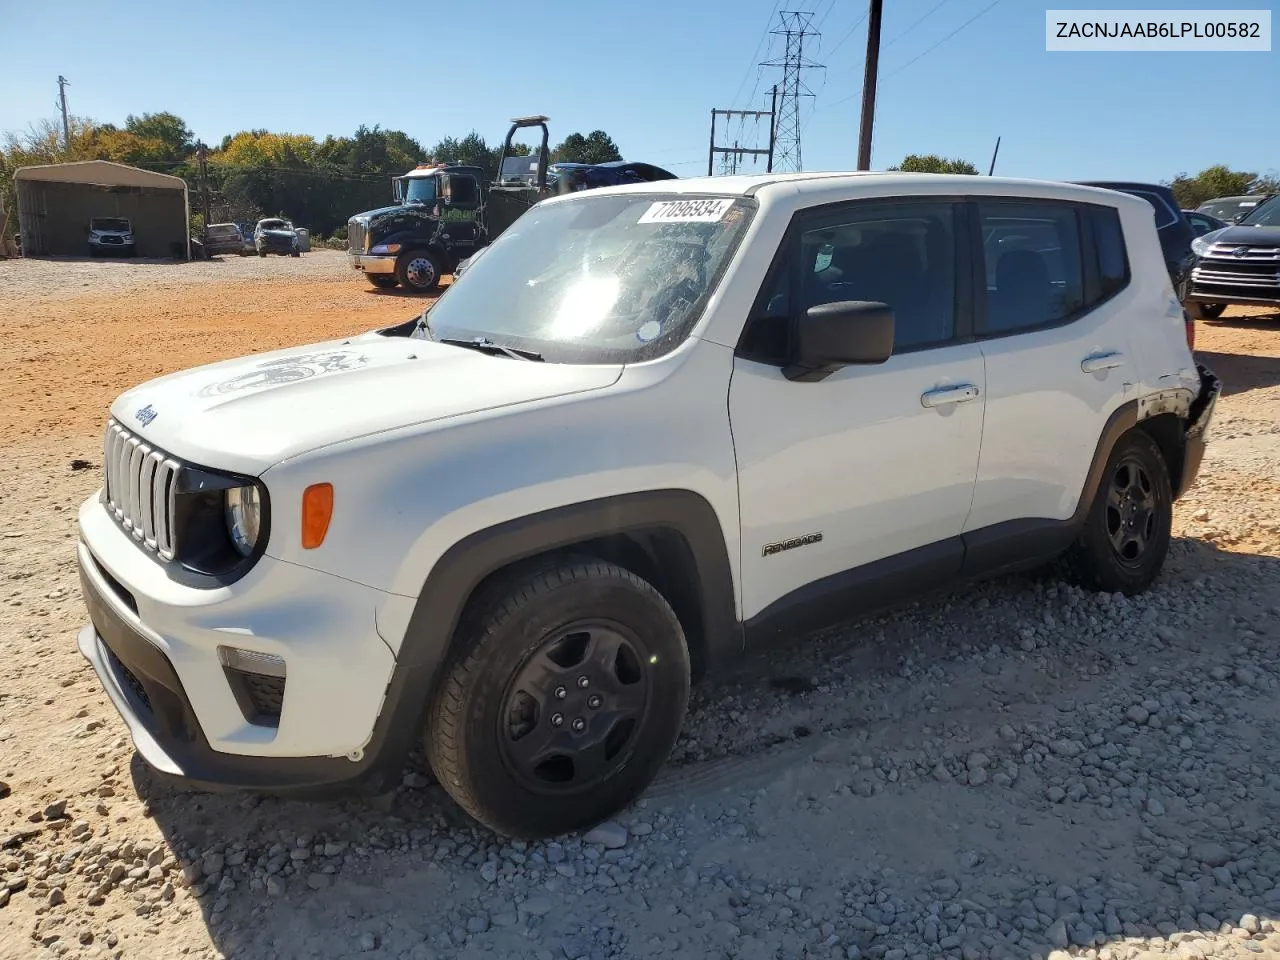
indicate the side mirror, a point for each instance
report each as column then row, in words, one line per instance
column 841, row 334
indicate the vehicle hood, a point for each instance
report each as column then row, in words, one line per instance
column 286, row 235
column 381, row 211
column 1245, row 234
column 245, row 415
column 110, row 233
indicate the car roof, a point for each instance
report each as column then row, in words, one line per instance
column 811, row 189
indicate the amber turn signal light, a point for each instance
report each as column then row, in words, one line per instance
column 317, row 510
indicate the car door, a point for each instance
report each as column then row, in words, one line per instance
column 1050, row 318
column 868, row 472
column 460, row 212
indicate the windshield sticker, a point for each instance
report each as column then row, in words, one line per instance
column 687, row 211
column 649, row 331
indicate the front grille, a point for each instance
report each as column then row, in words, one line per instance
column 113, row 240
column 1227, row 251
column 131, row 681
column 1241, row 273
column 140, row 489
column 356, row 236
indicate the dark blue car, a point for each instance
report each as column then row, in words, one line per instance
column 570, row 177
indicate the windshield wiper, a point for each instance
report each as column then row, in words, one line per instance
column 485, row 345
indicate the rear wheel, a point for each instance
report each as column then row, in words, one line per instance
column 383, row 281
column 418, row 270
column 563, row 702
column 1126, row 534
column 1206, row 311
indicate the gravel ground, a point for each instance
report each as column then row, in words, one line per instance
column 1011, row 770
column 41, row 278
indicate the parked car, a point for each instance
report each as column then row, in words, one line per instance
column 275, row 235
column 1238, row 264
column 220, row 238
column 1176, row 234
column 111, row 236
column 1202, row 223
column 1232, row 209
column 657, row 431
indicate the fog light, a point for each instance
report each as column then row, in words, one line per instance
column 251, row 661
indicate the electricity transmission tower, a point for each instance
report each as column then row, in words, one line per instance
column 795, row 27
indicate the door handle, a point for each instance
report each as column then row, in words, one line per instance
column 1097, row 362
column 942, row 396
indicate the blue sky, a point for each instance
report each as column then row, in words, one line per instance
column 649, row 74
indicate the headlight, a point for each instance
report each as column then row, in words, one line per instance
column 244, row 518
column 128, row 238
column 386, row 248
column 1199, row 246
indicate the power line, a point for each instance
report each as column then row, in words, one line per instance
column 823, row 19
column 916, row 24
column 764, row 36
column 929, row 50
column 914, row 59
column 849, row 33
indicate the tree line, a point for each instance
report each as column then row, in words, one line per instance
column 316, row 183
column 1190, row 191
column 320, row 183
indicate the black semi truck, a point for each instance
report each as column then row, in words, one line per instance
column 445, row 212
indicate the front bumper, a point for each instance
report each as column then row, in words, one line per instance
column 368, row 263
column 99, row 246
column 1237, row 296
column 1198, row 420
column 153, row 643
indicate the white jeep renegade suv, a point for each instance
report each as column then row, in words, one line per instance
column 650, row 429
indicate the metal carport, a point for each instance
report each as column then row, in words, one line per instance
column 57, row 200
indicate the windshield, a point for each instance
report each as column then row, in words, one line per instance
column 109, row 223
column 420, row 190
column 597, row 279
column 275, row 225
column 1264, row 214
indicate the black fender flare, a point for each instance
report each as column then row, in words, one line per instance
column 465, row 566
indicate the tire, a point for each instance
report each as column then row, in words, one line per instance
column 383, row 281
column 521, row 663
column 1205, row 311
column 295, row 253
column 1124, row 542
column 418, row 271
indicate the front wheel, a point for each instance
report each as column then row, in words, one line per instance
column 1126, row 534
column 564, row 699
column 1205, row 311
column 383, row 281
column 418, row 270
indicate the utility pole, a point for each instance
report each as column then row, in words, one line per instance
column 201, row 156
column 773, row 127
column 733, row 155
column 62, row 103
column 795, row 28
column 869, row 85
